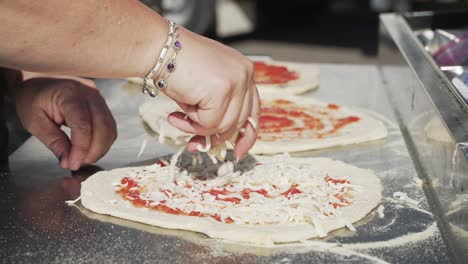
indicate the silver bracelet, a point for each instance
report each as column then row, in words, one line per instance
column 159, row 62
column 171, row 65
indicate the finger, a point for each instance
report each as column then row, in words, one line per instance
column 190, row 111
column 247, row 139
column 197, row 142
column 209, row 115
column 77, row 117
column 245, row 110
column 232, row 115
column 104, row 131
column 186, row 124
column 222, row 137
column 52, row 136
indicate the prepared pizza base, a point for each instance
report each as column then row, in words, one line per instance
column 154, row 113
column 99, row 195
column 309, row 79
column 369, row 128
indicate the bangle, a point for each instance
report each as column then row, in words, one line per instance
column 159, row 62
column 171, row 64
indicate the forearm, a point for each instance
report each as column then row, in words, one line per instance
column 94, row 38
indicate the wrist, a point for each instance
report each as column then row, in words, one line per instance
column 164, row 64
column 151, row 48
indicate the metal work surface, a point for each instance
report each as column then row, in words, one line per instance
column 37, row 226
column 426, row 104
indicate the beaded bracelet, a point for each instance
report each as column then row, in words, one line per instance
column 171, row 65
column 159, row 62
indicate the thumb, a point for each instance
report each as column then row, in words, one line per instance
column 49, row 133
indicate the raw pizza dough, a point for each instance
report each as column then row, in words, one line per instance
column 309, row 79
column 98, row 194
column 368, row 128
column 154, row 113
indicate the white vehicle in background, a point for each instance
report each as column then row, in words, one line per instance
column 208, row 17
column 197, row 15
column 230, row 17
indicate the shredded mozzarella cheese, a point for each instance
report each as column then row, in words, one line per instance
column 71, row 202
column 252, row 122
column 279, row 191
column 207, row 145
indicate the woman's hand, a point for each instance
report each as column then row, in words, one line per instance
column 44, row 104
column 214, row 86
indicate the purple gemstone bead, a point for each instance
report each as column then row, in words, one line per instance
column 171, row 67
column 178, row 45
column 161, row 84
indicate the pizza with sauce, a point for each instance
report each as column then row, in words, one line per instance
column 286, row 77
column 273, row 74
column 292, row 123
column 287, row 124
column 277, row 199
column 279, row 77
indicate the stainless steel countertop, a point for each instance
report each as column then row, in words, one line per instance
column 37, row 226
column 421, row 94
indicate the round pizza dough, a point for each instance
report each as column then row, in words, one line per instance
column 98, row 195
column 369, row 128
column 154, row 113
column 309, row 79
column 366, row 129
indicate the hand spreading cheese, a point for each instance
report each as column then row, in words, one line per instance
column 213, row 84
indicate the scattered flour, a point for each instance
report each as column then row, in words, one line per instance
column 404, row 197
column 416, row 182
column 380, row 211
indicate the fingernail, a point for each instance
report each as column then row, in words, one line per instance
column 75, row 165
column 64, row 163
column 61, row 162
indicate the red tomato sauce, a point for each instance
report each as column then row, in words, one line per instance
column 333, row 106
column 246, row 193
column 283, row 116
column 342, row 199
column 160, row 163
column 272, row 74
column 291, row 192
column 131, row 193
column 133, row 196
column 274, row 123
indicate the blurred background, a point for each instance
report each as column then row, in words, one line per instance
column 319, row 31
column 333, row 31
